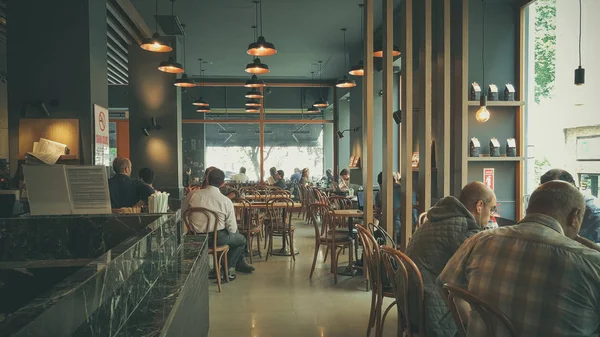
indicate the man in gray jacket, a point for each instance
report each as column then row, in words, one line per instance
column 449, row 223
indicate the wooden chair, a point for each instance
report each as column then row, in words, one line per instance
column 422, row 219
column 489, row 314
column 334, row 240
column 279, row 223
column 402, row 271
column 248, row 224
column 339, row 202
column 218, row 252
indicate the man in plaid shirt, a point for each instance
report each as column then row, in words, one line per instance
column 540, row 273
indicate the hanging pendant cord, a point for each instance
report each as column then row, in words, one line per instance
column 345, row 65
column 483, row 42
column 362, row 18
column 580, row 18
column 172, row 13
column 261, row 22
column 256, row 17
column 201, row 72
column 155, row 17
column 183, row 45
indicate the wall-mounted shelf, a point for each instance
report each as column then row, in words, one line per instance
column 495, row 159
column 499, row 103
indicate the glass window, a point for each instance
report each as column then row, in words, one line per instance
column 233, row 146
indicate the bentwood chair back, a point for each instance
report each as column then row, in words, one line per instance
column 371, row 265
column 219, row 253
column 248, row 223
column 488, row 314
column 406, row 280
column 279, row 212
column 339, row 202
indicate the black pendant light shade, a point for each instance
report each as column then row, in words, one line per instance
column 345, row 83
column 204, row 109
column 379, row 51
column 200, row 102
column 252, row 109
column 358, row 70
column 252, row 103
column 155, row 44
column 257, row 67
column 171, row 66
column 261, row 48
column 184, row 82
column 254, row 94
column 320, row 103
column 579, row 72
column 254, row 82
column 313, row 109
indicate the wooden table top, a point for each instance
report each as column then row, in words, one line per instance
column 348, row 213
column 270, row 196
column 264, row 204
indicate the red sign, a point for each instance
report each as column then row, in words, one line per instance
column 102, row 121
column 488, row 177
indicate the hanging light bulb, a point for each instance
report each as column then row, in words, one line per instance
column 320, row 103
column 253, row 103
column 254, row 94
column 359, row 69
column 482, row 115
column 155, row 43
column 257, row 67
column 201, row 101
column 171, row 66
column 345, row 82
column 254, row 82
column 261, row 47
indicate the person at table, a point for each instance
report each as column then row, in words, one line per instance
column 272, row 173
column 344, row 184
column 295, row 178
column 535, row 272
column 124, row 191
column 396, row 203
column 146, row 175
column 305, row 177
column 227, row 230
column 449, row 223
column 590, row 227
column 279, row 181
column 241, row 177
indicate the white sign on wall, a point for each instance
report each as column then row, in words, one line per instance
column 101, row 145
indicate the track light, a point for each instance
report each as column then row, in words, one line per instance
column 153, row 126
column 398, row 116
column 341, row 133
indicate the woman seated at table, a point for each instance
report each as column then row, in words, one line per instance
column 271, row 180
column 305, row 178
column 344, row 184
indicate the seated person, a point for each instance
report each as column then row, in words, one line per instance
column 279, row 181
column 241, row 177
column 344, row 184
column 535, row 272
column 227, row 230
column 305, row 177
column 272, row 174
column 124, row 191
column 590, row 227
column 146, row 175
column 397, row 201
column 295, row 178
column 449, row 223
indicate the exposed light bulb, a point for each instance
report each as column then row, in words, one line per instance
column 482, row 115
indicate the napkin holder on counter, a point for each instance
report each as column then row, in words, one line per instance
column 158, row 202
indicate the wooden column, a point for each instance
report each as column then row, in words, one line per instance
column 367, row 127
column 261, row 136
column 388, row 122
column 425, row 116
column 445, row 167
column 407, row 121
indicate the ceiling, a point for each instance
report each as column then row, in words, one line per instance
column 303, row 32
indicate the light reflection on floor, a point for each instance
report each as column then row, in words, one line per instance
column 280, row 300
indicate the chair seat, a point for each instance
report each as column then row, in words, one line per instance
column 278, row 230
column 253, row 230
column 340, row 238
column 219, row 249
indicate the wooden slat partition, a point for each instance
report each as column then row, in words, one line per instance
column 367, row 127
column 388, row 122
column 520, row 111
column 444, row 168
column 425, row 116
column 407, row 121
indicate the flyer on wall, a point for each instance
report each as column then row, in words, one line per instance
column 101, row 145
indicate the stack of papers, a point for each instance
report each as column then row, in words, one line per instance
column 158, row 202
column 46, row 152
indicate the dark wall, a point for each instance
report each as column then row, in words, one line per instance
column 118, row 97
column 152, row 94
column 63, row 61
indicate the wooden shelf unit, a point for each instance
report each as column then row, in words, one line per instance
column 513, row 159
column 499, row 103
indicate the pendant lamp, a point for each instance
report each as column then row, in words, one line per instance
column 359, row 69
column 379, row 51
column 204, row 109
column 254, row 82
column 252, row 103
column 171, row 66
column 254, row 94
column 483, row 115
column 579, row 72
column 252, row 110
column 201, row 101
column 345, row 82
column 261, row 47
column 184, row 81
column 320, row 103
column 155, row 43
column 257, row 67
column 313, row 109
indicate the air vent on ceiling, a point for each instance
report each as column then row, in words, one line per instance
column 170, row 25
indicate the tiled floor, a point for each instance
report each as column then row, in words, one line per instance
column 279, row 299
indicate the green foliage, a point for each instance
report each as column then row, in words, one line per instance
column 545, row 48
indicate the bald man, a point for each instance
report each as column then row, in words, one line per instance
column 124, row 191
column 547, row 283
column 590, row 226
column 449, row 223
